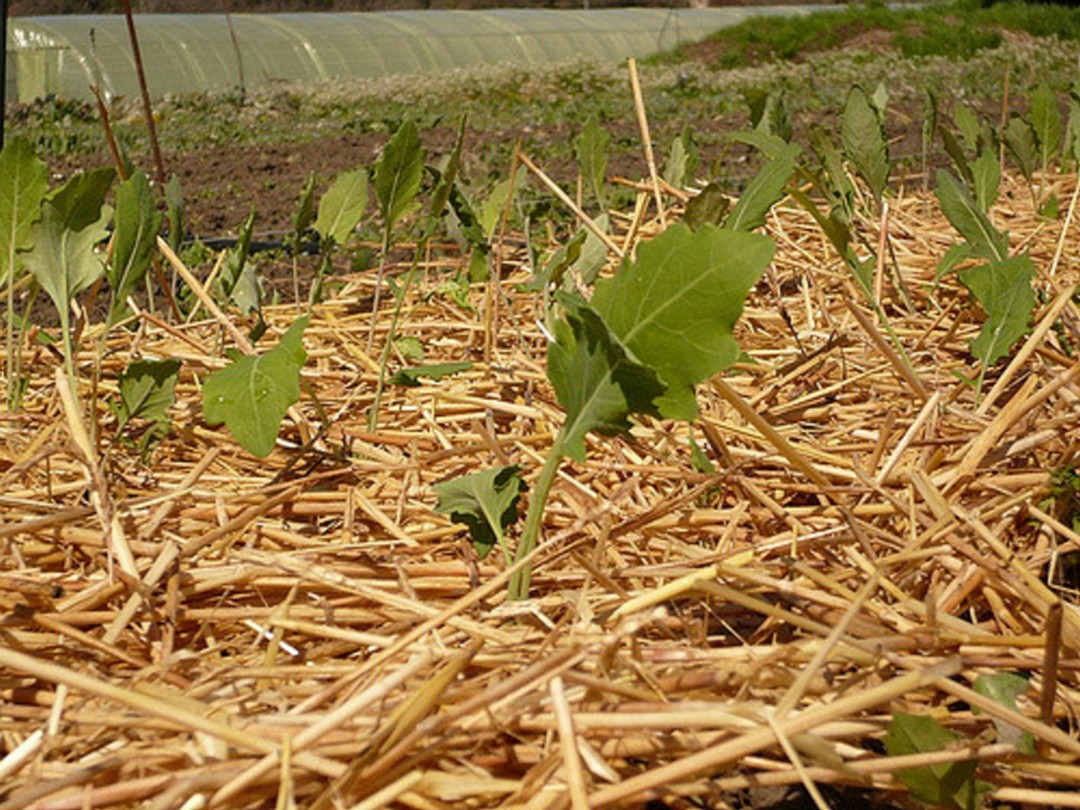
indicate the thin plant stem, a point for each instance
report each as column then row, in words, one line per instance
column 519, row 583
column 384, row 355
column 148, row 110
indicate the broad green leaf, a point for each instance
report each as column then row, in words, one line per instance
column 303, row 215
column 708, row 207
column 969, row 219
column 1020, row 143
column 239, row 280
column 485, row 502
column 446, row 177
column 986, row 177
column 968, row 125
column 674, row 308
column 862, row 135
column 1004, row 688
column 675, row 166
column 840, row 191
column 561, row 260
column 137, row 224
column 1046, row 122
column 252, row 395
column 763, row 192
column 410, row 377
column 1072, row 140
column 591, row 149
column 174, row 212
column 468, row 223
column 880, row 99
column 147, row 391
column 956, row 153
column 398, row 174
column 950, row 786
column 73, row 220
column 593, row 253
column 342, row 206
column 24, row 180
column 597, row 382
column 768, row 144
column 1003, row 290
column 491, row 210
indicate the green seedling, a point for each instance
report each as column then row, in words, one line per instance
column 23, row 185
column 398, row 174
column 952, row 785
column 147, row 391
column 252, row 395
column 137, row 224
column 64, row 258
column 341, row 209
column 410, row 376
column 301, row 220
column 485, row 502
column 591, row 148
column 1004, row 688
column 862, row 134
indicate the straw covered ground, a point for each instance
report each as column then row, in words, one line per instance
column 306, row 631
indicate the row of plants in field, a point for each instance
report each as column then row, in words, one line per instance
column 622, row 345
column 53, row 242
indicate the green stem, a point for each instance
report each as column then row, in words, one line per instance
column 519, row 584
column 384, row 355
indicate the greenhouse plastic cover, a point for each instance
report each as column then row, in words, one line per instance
column 64, row 56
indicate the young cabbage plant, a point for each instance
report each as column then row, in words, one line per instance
column 398, row 175
column 649, row 334
column 340, row 211
column 445, row 186
column 64, row 258
column 23, row 185
column 252, row 394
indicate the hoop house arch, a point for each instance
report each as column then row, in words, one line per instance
column 64, row 56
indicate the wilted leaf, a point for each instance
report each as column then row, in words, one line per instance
column 763, row 192
column 252, row 395
column 435, row 371
column 863, row 138
column 1003, row 290
column 485, row 502
column 398, row 174
column 23, row 184
column 1004, row 688
column 147, row 391
column 951, row 786
column 674, row 308
column 137, row 225
column 342, row 206
column 964, row 213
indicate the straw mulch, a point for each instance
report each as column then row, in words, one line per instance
column 306, row 631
